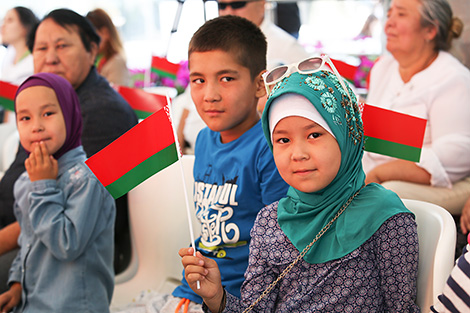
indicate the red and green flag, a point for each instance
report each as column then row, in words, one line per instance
column 143, row 103
column 346, row 70
column 7, row 95
column 392, row 133
column 164, row 68
column 138, row 154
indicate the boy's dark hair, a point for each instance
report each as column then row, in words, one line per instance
column 67, row 18
column 236, row 35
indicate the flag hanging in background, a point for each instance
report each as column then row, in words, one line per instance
column 138, row 154
column 7, row 95
column 164, row 68
column 143, row 103
column 392, row 133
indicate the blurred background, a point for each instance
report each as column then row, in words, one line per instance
column 344, row 29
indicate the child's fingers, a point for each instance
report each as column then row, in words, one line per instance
column 37, row 153
column 44, row 150
column 185, row 251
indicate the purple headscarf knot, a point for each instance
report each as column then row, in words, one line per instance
column 69, row 104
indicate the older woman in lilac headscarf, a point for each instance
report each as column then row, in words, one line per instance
column 66, row 215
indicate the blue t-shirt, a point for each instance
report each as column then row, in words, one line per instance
column 233, row 181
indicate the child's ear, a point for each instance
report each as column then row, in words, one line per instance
column 260, row 89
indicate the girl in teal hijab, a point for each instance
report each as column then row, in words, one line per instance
column 302, row 215
column 336, row 244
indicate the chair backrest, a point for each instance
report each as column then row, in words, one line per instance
column 437, row 239
column 159, row 228
column 6, row 130
column 10, row 147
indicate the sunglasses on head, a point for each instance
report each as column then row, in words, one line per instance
column 234, row 5
column 307, row 66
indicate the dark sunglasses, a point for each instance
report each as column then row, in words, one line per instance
column 234, row 5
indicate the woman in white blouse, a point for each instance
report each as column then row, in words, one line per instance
column 420, row 78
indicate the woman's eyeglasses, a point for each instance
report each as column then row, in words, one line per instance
column 234, row 5
column 307, row 66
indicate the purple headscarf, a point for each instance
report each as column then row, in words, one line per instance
column 69, row 103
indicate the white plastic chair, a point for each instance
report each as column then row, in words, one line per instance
column 10, row 147
column 437, row 239
column 159, row 228
column 6, row 130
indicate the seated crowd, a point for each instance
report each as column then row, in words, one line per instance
column 294, row 215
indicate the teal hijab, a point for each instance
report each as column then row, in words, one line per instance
column 301, row 215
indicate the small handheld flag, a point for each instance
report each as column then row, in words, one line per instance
column 392, row 133
column 164, row 68
column 143, row 103
column 7, row 95
column 141, row 152
column 346, row 70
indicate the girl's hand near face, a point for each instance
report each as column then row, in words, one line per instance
column 40, row 164
column 205, row 270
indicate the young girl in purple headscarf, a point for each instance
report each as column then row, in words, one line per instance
column 65, row 262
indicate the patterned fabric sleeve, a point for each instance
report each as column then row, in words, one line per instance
column 260, row 273
column 456, row 294
column 397, row 246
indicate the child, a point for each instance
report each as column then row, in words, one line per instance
column 351, row 248
column 66, row 215
column 234, row 172
column 456, row 294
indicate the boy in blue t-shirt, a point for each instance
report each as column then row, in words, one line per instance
column 234, row 172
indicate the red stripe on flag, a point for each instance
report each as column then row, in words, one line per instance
column 8, row 90
column 393, row 126
column 346, row 70
column 141, row 100
column 164, row 65
column 135, row 146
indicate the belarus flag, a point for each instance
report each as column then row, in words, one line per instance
column 7, row 95
column 141, row 152
column 346, row 70
column 391, row 133
column 164, row 68
column 143, row 103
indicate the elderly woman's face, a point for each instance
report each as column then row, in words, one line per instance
column 60, row 51
column 404, row 32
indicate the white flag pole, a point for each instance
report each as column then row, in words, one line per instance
column 178, row 150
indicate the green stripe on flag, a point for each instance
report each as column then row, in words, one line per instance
column 142, row 171
column 7, row 103
column 142, row 114
column 392, row 149
column 163, row 73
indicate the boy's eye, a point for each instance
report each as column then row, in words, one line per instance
column 314, row 135
column 49, row 113
column 227, row 79
column 198, row 81
column 23, row 118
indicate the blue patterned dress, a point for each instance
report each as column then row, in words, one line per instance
column 379, row 276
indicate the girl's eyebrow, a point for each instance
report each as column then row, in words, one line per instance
column 307, row 127
column 42, row 107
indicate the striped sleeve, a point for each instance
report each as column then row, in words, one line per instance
column 456, row 294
